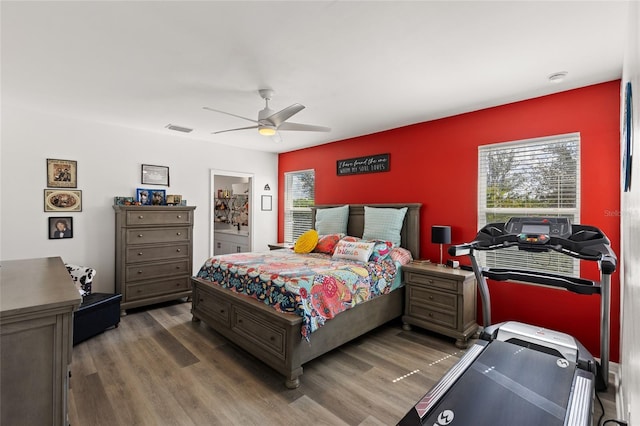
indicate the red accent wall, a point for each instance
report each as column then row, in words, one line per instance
column 436, row 163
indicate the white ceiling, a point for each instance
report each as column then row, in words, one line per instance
column 358, row 67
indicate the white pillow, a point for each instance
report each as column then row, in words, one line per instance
column 383, row 224
column 359, row 250
column 332, row 220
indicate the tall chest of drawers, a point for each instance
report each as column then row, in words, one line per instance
column 154, row 259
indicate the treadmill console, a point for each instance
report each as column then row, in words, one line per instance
column 538, row 230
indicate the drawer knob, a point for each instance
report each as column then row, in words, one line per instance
column 431, row 281
column 222, row 311
column 178, row 233
column 430, row 297
column 139, row 253
column 201, row 300
column 139, row 235
column 140, row 217
column 178, row 250
column 139, row 272
column 179, row 216
column 177, row 284
column 430, row 314
column 177, row 267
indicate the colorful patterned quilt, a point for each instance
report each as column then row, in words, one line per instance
column 314, row 286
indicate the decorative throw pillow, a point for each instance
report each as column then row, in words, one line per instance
column 327, row 243
column 381, row 250
column 332, row 220
column 401, row 255
column 360, row 251
column 306, row 242
column 351, row 239
column 383, row 223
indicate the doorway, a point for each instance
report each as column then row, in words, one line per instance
column 230, row 212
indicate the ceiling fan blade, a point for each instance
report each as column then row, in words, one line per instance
column 228, row 113
column 233, row 130
column 283, row 115
column 303, row 127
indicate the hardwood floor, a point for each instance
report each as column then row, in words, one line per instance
column 159, row 368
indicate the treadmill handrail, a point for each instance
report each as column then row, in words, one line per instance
column 573, row 284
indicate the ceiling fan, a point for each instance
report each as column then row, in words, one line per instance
column 269, row 122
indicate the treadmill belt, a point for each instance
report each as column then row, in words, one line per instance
column 508, row 385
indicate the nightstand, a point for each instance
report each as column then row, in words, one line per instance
column 440, row 299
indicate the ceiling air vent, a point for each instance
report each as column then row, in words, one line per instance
column 178, row 128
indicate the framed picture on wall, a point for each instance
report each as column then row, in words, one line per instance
column 62, row 200
column 62, row 173
column 266, row 203
column 60, row 227
column 155, row 175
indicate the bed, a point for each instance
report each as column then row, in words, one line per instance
column 274, row 337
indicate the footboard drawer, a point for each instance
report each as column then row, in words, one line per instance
column 257, row 329
column 206, row 303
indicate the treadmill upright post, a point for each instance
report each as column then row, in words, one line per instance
column 484, row 290
column 605, row 305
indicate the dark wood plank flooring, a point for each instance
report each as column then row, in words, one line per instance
column 160, row 368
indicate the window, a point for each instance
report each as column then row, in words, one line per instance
column 534, row 177
column 299, row 196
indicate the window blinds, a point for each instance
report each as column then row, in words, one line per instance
column 534, row 177
column 299, row 196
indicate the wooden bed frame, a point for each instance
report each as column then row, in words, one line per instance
column 274, row 337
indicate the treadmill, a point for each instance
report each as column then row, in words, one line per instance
column 521, row 374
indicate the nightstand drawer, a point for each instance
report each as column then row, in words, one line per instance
column 446, row 301
column 151, row 253
column 179, row 217
column 157, row 235
column 431, row 281
column 433, row 316
column 158, row 270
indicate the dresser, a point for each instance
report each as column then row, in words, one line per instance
column 440, row 299
column 37, row 300
column 154, row 258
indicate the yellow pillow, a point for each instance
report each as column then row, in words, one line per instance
column 306, row 242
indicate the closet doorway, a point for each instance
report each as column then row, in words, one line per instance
column 231, row 212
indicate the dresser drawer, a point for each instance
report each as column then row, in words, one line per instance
column 442, row 300
column 427, row 313
column 150, row 253
column 157, row 288
column 258, row 331
column 179, row 217
column 157, row 235
column 158, row 270
column 220, row 310
column 431, row 281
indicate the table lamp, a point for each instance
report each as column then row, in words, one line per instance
column 441, row 235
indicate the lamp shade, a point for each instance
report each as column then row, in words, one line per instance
column 441, row 234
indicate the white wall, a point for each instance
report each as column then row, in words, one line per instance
column 109, row 160
column 630, row 222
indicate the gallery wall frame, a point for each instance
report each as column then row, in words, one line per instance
column 62, row 173
column 62, row 200
column 60, row 227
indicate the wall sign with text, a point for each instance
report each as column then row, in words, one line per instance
column 368, row 164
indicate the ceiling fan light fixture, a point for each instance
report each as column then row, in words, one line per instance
column 267, row 130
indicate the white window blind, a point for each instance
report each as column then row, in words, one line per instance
column 299, row 196
column 534, row 177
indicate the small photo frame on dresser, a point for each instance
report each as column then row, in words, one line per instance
column 60, row 227
column 151, row 197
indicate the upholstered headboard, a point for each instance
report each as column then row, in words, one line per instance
column 410, row 233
